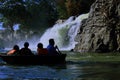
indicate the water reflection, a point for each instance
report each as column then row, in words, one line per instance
column 33, row 72
column 73, row 70
column 96, row 71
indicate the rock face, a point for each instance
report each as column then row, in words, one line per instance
column 101, row 31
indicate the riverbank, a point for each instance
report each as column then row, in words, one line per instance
column 95, row 57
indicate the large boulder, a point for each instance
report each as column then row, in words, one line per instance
column 101, row 31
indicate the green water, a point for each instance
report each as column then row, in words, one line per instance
column 95, row 57
column 96, row 66
column 79, row 66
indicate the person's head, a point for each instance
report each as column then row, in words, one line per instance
column 51, row 41
column 40, row 45
column 16, row 47
column 26, row 44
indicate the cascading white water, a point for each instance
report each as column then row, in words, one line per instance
column 63, row 33
column 1, row 26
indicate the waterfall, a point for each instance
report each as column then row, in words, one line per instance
column 1, row 26
column 63, row 32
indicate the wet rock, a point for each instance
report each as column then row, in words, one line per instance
column 101, row 31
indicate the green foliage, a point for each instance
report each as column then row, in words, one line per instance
column 67, row 8
column 77, row 7
column 73, row 7
column 61, row 8
column 30, row 14
column 37, row 14
column 13, row 12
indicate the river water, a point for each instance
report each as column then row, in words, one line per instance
column 75, row 68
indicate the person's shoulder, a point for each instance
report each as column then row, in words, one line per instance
column 48, row 46
column 29, row 49
column 22, row 48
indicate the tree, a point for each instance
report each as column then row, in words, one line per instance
column 30, row 14
column 14, row 12
column 61, row 8
column 77, row 7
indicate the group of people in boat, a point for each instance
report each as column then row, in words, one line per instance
column 51, row 49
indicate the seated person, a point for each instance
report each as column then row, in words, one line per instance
column 14, row 51
column 51, row 49
column 26, row 50
column 41, row 50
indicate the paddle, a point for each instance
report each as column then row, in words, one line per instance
column 58, row 49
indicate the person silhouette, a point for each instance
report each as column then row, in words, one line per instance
column 41, row 50
column 51, row 48
column 14, row 51
column 26, row 50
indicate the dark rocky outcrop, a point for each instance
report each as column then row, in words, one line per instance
column 101, row 31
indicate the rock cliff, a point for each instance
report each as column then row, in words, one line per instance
column 101, row 31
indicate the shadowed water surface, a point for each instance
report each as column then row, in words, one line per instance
column 74, row 69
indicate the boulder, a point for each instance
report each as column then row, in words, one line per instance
column 100, row 32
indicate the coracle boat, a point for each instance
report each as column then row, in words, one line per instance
column 34, row 60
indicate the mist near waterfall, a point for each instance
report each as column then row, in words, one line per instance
column 64, row 32
column 1, row 26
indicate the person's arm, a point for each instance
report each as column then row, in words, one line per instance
column 31, row 52
column 11, row 52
